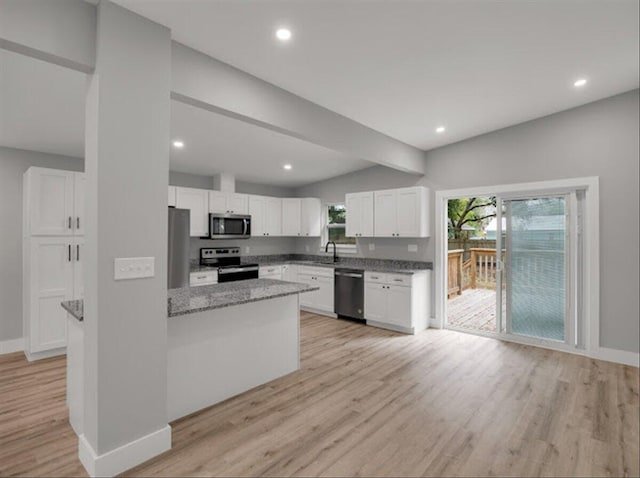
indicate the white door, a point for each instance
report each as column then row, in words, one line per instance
column 375, row 301
column 50, row 197
column 238, row 203
column 197, row 201
column 291, row 211
column 385, row 213
column 325, row 295
column 218, row 202
column 408, row 213
column 80, row 220
column 273, row 216
column 52, row 282
column 353, row 203
column 257, row 205
column 78, row 260
column 310, row 217
column 399, row 305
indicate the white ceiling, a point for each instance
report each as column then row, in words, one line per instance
column 42, row 109
column 403, row 67
column 215, row 143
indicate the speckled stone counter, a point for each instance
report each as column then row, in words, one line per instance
column 188, row 300
column 75, row 308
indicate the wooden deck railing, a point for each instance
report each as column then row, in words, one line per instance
column 479, row 271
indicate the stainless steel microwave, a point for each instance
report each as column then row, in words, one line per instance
column 229, row 226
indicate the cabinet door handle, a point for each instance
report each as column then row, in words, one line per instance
column 78, row 252
column 69, row 252
column 70, row 219
column 78, row 222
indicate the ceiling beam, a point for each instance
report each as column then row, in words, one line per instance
column 203, row 81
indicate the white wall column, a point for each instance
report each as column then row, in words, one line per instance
column 127, row 166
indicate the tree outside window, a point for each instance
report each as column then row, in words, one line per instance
column 336, row 225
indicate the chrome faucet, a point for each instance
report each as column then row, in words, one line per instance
column 326, row 249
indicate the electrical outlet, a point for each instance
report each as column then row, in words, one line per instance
column 413, row 247
column 247, row 249
column 306, row 248
column 133, row 267
column 372, row 246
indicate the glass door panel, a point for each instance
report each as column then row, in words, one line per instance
column 535, row 267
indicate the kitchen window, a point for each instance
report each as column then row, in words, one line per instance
column 335, row 227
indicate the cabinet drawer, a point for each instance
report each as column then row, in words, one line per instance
column 270, row 270
column 203, row 278
column 399, row 279
column 375, row 277
column 316, row 271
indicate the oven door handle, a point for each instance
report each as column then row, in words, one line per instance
column 246, row 226
column 233, row 270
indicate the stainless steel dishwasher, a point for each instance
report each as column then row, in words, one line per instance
column 349, row 293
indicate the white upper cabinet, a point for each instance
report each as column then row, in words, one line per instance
column 273, row 216
column 291, row 216
column 228, row 203
column 79, row 221
column 311, row 217
column 359, row 214
column 49, row 202
column 172, row 196
column 197, row 201
column 401, row 212
column 257, row 205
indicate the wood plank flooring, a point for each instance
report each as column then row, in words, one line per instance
column 368, row 402
column 474, row 309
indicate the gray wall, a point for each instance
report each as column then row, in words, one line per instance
column 187, row 180
column 13, row 164
column 370, row 179
column 598, row 139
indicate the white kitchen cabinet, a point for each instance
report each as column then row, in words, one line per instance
column 270, row 272
column 397, row 301
column 257, row 210
column 310, row 217
column 321, row 300
column 401, row 212
column 228, row 203
column 172, row 196
column 273, row 216
column 291, row 216
column 49, row 267
column 359, row 214
column 290, row 272
column 197, row 202
column 206, row 277
column 79, row 182
column 50, row 202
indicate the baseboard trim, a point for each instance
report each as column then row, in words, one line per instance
column 11, row 346
column 395, row 328
column 617, row 356
column 31, row 357
column 319, row 312
column 434, row 323
column 126, row 456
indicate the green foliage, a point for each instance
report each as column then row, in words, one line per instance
column 469, row 211
column 337, row 225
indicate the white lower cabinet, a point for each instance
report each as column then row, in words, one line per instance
column 203, row 278
column 53, row 274
column 270, row 272
column 397, row 301
column 322, row 299
column 290, row 272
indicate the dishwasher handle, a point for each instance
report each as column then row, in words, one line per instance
column 350, row 274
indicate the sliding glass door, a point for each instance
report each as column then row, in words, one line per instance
column 536, row 278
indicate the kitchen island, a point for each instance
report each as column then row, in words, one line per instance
column 222, row 340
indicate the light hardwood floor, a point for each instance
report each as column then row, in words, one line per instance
column 368, row 402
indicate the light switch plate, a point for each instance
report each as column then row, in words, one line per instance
column 372, row 246
column 133, row 267
column 306, row 248
column 247, row 249
column 413, row 247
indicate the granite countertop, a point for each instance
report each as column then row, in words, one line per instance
column 364, row 264
column 188, row 300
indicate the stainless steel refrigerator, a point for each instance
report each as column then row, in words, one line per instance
column 178, row 265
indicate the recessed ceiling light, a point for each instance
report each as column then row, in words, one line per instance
column 283, row 34
column 287, row 167
column 580, row 82
column 440, row 129
column 178, row 144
